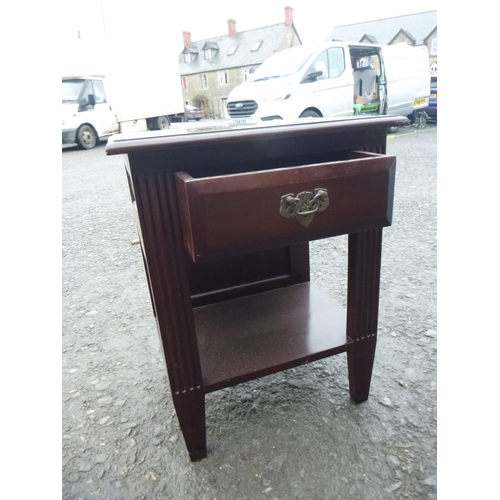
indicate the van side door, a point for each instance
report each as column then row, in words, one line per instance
column 330, row 78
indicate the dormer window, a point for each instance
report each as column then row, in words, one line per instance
column 189, row 57
column 232, row 50
column 256, row 46
column 210, row 49
column 189, row 54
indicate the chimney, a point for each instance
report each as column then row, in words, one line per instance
column 288, row 16
column 187, row 38
column 231, row 27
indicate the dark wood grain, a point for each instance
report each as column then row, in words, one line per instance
column 257, row 335
column 229, row 277
column 263, row 141
column 239, row 213
column 363, row 276
column 247, row 274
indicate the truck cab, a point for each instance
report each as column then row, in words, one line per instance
column 86, row 114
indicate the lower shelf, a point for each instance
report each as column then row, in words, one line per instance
column 257, row 335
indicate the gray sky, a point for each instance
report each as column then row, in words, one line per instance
column 152, row 19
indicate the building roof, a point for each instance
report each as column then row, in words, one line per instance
column 418, row 26
column 272, row 38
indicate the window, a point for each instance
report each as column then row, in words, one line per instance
column 100, row 95
column 209, row 53
column 256, row 46
column 321, row 64
column 232, row 50
column 336, row 62
column 434, row 47
column 184, row 83
column 330, row 63
column 187, row 57
column 87, row 90
column 246, row 75
column 203, row 81
column 285, row 63
column 223, row 78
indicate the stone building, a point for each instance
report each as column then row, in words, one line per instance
column 412, row 29
column 211, row 68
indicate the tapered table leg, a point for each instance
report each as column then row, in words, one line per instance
column 365, row 249
column 169, row 288
column 190, row 409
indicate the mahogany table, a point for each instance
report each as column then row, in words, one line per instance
column 224, row 217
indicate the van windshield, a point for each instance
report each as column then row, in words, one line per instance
column 283, row 63
column 71, row 90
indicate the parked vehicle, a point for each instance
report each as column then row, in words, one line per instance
column 193, row 113
column 432, row 109
column 129, row 94
column 335, row 80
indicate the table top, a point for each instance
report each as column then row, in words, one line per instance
column 224, row 132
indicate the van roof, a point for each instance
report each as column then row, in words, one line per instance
column 82, row 77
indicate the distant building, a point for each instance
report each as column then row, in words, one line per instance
column 211, row 68
column 412, row 29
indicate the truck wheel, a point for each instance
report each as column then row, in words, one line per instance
column 162, row 123
column 310, row 114
column 86, row 137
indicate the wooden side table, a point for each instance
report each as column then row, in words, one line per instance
column 224, row 218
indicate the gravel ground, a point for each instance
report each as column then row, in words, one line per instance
column 294, row 435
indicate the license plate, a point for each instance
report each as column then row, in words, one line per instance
column 420, row 101
column 433, row 96
column 239, row 121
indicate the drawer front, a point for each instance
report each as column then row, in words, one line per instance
column 247, row 212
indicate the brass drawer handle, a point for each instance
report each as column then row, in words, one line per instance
column 304, row 206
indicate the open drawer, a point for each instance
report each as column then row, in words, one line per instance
column 246, row 212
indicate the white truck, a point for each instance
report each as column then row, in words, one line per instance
column 129, row 92
column 335, row 80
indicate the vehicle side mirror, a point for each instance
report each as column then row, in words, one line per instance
column 91, row 99
column 312, row 76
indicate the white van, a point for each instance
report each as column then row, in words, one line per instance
column 335, row 80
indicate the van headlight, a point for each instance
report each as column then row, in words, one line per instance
column 278, row 94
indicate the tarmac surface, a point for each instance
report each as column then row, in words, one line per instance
column 293, row 435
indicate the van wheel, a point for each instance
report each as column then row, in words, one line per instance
column 390, row 130
column 310, row 114
column 86, row 137
column 421, row 121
